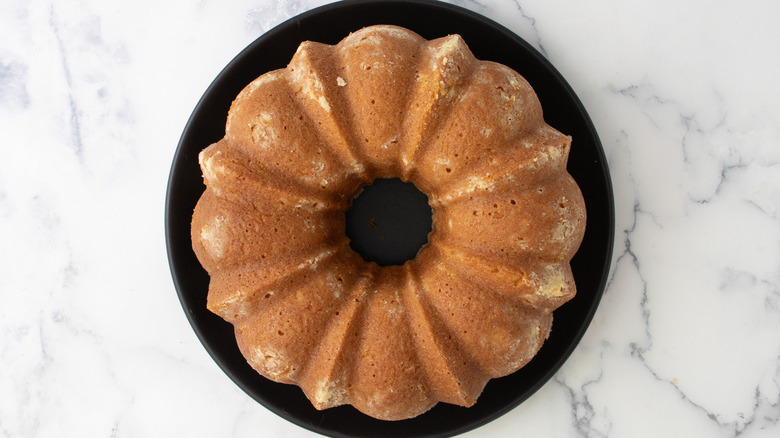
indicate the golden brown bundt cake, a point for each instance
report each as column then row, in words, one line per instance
column 477, row 301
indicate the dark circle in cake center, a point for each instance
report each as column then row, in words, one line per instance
column 389, row 221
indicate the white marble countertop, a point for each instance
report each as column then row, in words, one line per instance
column 684, row 95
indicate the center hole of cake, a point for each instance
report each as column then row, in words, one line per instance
column 389, row 222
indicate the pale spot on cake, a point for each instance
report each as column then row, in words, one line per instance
column 214, row 237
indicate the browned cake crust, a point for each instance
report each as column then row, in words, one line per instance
column 476, row 302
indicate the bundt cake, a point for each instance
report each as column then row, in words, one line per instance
column 477, row 301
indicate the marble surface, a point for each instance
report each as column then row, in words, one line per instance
column 93, row 98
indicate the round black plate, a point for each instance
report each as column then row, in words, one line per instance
column 488, row 41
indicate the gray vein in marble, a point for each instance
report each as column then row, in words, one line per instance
column 75, row 123
column 537, row 40
column 633, row 260
column 644, row 94
column 44, row 364
column 638, row 353
column 735, row 428
column 725, row 171
column 115, row 429
column 737, row 279
column 765, row 410
column 628, row 255
column 758, row 418
column 762, row 209
column 582, row 410
column 695, row 133
column 532, row 21
column 13, row 84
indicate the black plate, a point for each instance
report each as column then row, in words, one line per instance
column 488, row 41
